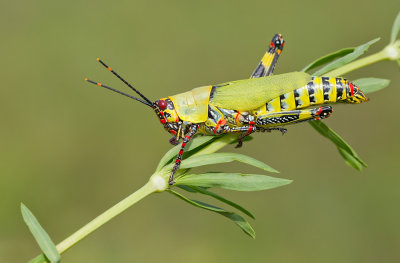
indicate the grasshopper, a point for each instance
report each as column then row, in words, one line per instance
column 264, row 102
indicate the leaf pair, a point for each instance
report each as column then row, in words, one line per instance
column 201, row 152
column 334, row 61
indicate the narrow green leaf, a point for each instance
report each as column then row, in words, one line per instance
column 358, row 51
column 217, row 144
column 241, row 222
column 369, row 85
column 350, row 160
column 325, row 131
column 398, row 63
column 39, row 259
column 42, row 238
column 328, row 58
column 233, row 181
column 214, row 158
column 237, row 219
column 204, row 191
column 395, row 29
column 193, row 144
column 186, row 188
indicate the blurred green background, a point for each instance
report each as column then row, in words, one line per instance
column 70, row 150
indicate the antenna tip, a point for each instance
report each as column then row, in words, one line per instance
column 98, row 59
column 86, row 79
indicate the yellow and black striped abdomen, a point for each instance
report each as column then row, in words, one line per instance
column 320, row 90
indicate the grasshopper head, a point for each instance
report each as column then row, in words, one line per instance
column 355, row 95
column 165, row 110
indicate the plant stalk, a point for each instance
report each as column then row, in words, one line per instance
column 390, row 52
column 155, row 184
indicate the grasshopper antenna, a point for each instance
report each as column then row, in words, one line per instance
column 124, row 81
column 120, row 92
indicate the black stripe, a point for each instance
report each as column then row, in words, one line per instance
column 310, row 88
column 326, row 87
column 259, row 71
column 339, row 89
column 326, row 84
column 212, row 92
column 296, row 97
column 282, row 97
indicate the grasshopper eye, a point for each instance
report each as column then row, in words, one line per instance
column 162, row 104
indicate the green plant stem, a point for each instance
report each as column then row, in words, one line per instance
column 146, row 190
column 358, row 64
column 390, row 52
column 105, row 217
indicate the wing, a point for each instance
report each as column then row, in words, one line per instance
column 249, row 94
column 268, row 61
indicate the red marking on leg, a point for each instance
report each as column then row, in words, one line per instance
column 187, row 137
column 216, row 128
column 183, row 144
column 250, row 129
column 252, row 122
column 172, row 131
column 237, row 116
column 178, row 161
column 180, row 152
column 222, row 121
column 272, row 44
column 163, row 120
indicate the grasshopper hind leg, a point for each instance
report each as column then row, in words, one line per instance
column 295, row 116
column 268, row 62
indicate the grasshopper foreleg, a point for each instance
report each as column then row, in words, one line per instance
column 192, row 131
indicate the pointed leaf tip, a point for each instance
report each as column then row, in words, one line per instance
column 237, row 219
column 395, row 29
column 40, row 235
